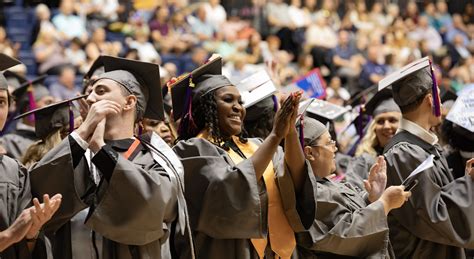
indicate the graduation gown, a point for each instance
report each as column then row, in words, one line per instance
column 132, row 207
column 438, row 220
column 15, row 196
column 17, row 142
column 346, row 225
column 228, row 206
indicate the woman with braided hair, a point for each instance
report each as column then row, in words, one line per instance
column 245, row 201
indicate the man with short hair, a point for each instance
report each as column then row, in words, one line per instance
column 119, row 199
column 438, row 221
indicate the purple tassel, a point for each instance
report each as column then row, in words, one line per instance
column 71, row 119
column 187, row 122
column 436, row 100
column 302, row 132
column 359, row 123
column 140, row 130
column 275, row 103
column 32, row 103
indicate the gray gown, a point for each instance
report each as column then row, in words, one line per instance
column 346, row 225
column 228, row 207
column 17, row 142
column 358, row 170
column 15, row 196
column 438, row 220
column 132, row 207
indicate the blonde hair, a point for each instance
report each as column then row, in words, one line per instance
column 368, row 142
column 38, row 149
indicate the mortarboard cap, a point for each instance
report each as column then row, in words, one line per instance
column 462, row 112
column 381, row 102
column 6, row 62
column 141, row 79
column 412, row 82
column 256, row 88
column 196, row 84
column 53, row 117
column 325, row 111
column 312, row 130
column 29, row 92
column 14, row 79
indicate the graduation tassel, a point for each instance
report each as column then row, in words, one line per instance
column 275, row 103
column 71, row 118
column 31, row 103
column 436, row 100
column 140, row 130
column 187, row 121
column 301, row 129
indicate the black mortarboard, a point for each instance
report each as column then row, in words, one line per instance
column 191, row 87
column 53, row 117
column 14, row 79
column 325, row 111
column 381, row 102
column 141, row 79
column 29, row 92
column 412, row 82
column 6, row 62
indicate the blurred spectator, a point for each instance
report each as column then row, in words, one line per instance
column 468, row 15
column 68, row 24
column 360, row 18
column 457, row 28
column 305, row 63
column 215, row 14
column 198, row 57
column 425, row 32
column 430, row 13
column 345, row 57
column 49, row 53
column 458, row 50
column 200, row 25
column 6, row 47
column 374, row 69
column 65, row 88
column 411, row 11
column 378, row 17
column 320, row 38
column 298, row 16
column 329, row 10
column 443, row 16
column 159, row 25
column 146, row 50
column 254, row 49
column 337, row 91
column 75, row 54
column 98, row 39
column 43, row 22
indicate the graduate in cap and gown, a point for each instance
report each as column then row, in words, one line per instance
column 19, row 223
column 349, row 223
column 386, row 117
column 438, row 222
column 52, row 124
column 129, row 199
column 245, row 199
column 29, row 96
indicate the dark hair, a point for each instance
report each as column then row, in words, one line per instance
column 205, row 115
column 413, row 106
column 260, row 128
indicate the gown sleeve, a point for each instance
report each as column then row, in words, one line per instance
column 345, row 227
column 135, row 202
column 223, row 198
column 440, row 209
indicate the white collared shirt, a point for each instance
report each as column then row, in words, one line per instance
column 418, row 131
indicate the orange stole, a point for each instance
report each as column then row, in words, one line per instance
column 282, row 236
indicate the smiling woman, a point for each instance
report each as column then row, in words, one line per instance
column 238, row 190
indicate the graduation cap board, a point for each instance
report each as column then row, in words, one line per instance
column 53, row 117
column 185, row 89
column 412, row 82
column 462, row 112
column 14, row 79
column 6, row 62
column 326, row 110
column 255, row 88
column 29, row 92
column 381, row 102
column 141, row 79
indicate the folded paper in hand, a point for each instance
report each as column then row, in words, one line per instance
column 428, row 163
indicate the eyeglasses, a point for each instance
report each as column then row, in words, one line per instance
column 330, row 144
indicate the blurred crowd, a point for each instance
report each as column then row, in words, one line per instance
column 353, row 44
